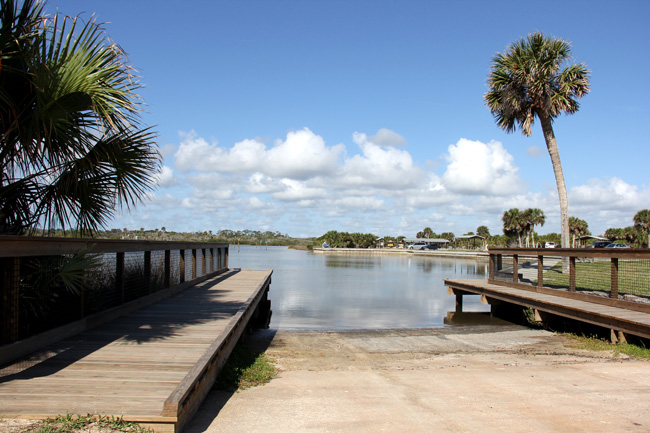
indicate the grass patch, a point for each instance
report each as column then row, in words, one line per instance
column 596, row 344
column 77, row 423
column 633, row 276
column 245, row 368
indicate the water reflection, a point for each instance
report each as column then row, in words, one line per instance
column 326, row 292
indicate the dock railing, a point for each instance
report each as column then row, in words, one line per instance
column 621, row 274
column 34, row 298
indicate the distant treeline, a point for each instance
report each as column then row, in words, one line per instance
column 336, row 239
column 242, row 237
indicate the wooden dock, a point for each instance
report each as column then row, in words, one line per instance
column 153, row 366
column 619, row 316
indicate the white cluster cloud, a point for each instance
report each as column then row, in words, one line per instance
column 302, row 186
column 378, row 166
column 477, row 168
column 302, row 155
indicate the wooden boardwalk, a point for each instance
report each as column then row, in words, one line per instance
column 620, row 317
column 153, row 366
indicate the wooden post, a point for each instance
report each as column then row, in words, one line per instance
column 119, row 275
column 540, row 271
column 10, row 299
column 614, row 285
column 181, row 265
column 147, row 271
column 168, row 268
column 572, row 274
column 499, row 262
column 493, row 263
column 211, row 254
column 203, row 255
column 225, row 265
column 459, row 302
column 515, row 268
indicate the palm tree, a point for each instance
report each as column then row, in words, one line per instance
column 513, row 222
column 642, row 222
column 535, row 217
column 71, row 148
column 483, row 231
column 577, row 227
column 527, row 82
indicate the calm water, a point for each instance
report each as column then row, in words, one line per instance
column 333, row 292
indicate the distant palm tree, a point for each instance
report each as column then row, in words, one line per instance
column 71, row 150
column 483, row 231
column 577, row 227
column 513, row 222
column 527, row 82
column 642, row 222
column 534, row 217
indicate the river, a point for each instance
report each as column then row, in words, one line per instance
column 335, row 292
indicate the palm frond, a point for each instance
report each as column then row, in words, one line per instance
column 527, row 80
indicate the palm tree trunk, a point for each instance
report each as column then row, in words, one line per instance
column 551, row 145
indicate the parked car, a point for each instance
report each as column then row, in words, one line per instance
column 417, row 246
column 600, row 244
column 617, row 245
column 549, row 245
column 433, row 246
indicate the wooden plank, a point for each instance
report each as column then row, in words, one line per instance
column 131, row 366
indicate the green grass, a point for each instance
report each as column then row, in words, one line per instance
column 76, row 423
column 596, row 344
column 245, row 368
column 633, row 276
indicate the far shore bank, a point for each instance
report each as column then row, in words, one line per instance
column 476, row 254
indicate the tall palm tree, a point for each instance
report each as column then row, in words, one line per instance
column 642, row 222
column 528, row 82
column 72, row 149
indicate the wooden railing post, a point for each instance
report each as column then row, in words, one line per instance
column 493, row 263
column 182, row 265
column 572, row 274
column 119, row 275
column 10, row 299
column 168, row 268
column 203, row 261
column 540, row 271
column 147, row 270
column 499, row 262
column 515, row 268
column 226, row 254
column 614, row 284
column 211, row 254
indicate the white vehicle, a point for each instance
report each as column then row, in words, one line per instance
column 418, row 246
column 550, row 245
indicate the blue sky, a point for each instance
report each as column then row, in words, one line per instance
column 368, row 116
